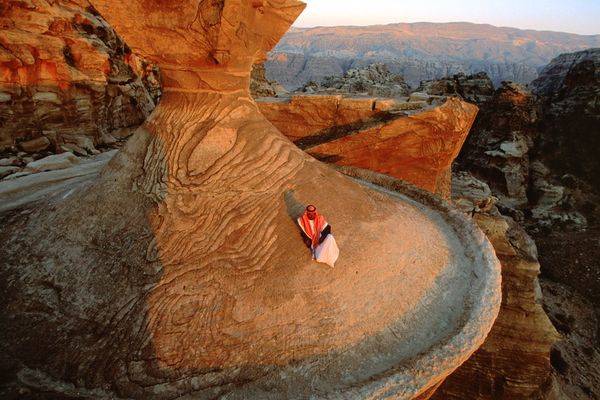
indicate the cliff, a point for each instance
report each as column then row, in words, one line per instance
column 514, row 362
column 67, row 79
column 382, row 135
column 569, row 88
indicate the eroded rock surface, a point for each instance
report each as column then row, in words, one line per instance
column 66, row 75
column 180, row 270
column 569, row 88
column 377, row 134
column 260, row 86
column 514, row 362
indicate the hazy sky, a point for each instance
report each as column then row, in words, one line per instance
column 576, row 16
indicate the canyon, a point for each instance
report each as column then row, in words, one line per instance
column 184, row 164
column 187, row 275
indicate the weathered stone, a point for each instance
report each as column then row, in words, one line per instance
column 18, row 174
column 10, row 161
column 6, row 171
column 63, row 69
column 476, row 88
column 107, row 139
column 180, row 271
column 569, row 138
column 32, row 186
column 470, row 194
column 34, row 145
column 418, row 148
column 79, row 142
column 122, row 133
column 498, row 150
column 374, row 80
column 53, row 162
column 260, row 86
column 514, row 362
column 418, row 96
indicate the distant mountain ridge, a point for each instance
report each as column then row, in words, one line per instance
column 420, row 51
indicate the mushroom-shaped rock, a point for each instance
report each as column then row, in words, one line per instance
column 180, row 271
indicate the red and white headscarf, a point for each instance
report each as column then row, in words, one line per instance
column 319, row 224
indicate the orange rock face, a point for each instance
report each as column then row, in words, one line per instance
column 418, row 148
column 64, row 71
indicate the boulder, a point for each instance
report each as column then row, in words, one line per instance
column 35, row 145
column 53, row 162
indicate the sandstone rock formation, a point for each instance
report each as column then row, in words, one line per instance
column 576, row 359
column 180, row 271
column 64, row 75
column 514, row 362
column 375, row 134
column 419, row 51
column 374, row 80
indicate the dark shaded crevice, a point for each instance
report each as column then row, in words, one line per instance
column 341, row 131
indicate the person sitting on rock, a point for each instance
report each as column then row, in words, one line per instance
column 317, row 236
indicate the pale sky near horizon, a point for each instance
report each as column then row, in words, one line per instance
column 574, row 16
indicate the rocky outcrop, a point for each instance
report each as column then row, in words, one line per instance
column 504, row 150
column 476, row 88
column 375, row 80
column 419, row 51
column 499, row 148
column 180, row 271
column 569, row 88
column 514, row 362
column 65, row 76
column 260, row 86
column 376, row 134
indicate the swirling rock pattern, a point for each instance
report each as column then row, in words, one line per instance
column 180, row 270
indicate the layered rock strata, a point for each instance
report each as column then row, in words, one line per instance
column 514, row 361
column 66, row 78
column 187, row 275
column 377, row 134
